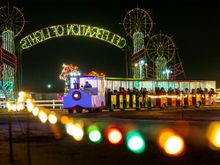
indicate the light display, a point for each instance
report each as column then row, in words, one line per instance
column 8, row 71
column 138, row 41
column 161, row 66
column 94, row 73
column 68, row 70
column 12, row 23
column 72, row 30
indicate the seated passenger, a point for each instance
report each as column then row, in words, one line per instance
column 87, row 85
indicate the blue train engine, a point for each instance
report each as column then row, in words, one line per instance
column 85, row 92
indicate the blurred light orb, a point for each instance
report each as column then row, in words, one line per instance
column 174, row 145
column 22, row 94
column 114, row 136
column 95, row 136
column 135, row 142
column 64, row 119
column 20, row 99
column 42, row 116
column 52, row 118
column 35, row 111
column 213, row 135
column 75, row 130
column 20, row 106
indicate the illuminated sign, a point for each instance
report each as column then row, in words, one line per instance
column 71, row 30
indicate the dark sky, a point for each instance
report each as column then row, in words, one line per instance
column 193, row 24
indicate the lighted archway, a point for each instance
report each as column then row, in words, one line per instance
column 71, row 30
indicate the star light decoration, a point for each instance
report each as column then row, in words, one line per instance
column 67, row 69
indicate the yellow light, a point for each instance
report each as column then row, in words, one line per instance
column 174, row 145
column 20, row 106
column 42, row 116
column 13, row 107
column 35, row 111
column 64, row 119
column 22, row 94
column 52, row 118
column 75, row 130
column 29, row 101
column 213, row 135
column 171, row 143
column 30, row 107
column 20, row 99
column 8, row 105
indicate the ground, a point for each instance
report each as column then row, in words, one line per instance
column 50, row 144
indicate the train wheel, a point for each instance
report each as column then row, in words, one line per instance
column 79, row 110
column 70, row 110
column 99, row 110
column 138, row 109
column 90, row 110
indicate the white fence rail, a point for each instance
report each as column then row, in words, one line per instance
column 49, row 103
column 42, row 103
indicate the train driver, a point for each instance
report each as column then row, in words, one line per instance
column 87, row 85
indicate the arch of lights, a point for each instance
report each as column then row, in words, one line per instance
column 71, row 30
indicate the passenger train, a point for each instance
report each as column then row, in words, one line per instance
column 104, row 93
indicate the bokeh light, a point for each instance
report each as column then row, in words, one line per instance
column 42, row 116
column 171, row 143
column 75, row 130
column 35, row 111
column 94, row 134
column 135, row 142
column 64, row 119
column 114, row 135
column 52, row 118
column 213, row 135
column 174, row 145
column 22, row 94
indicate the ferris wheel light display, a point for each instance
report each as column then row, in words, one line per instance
column 11, row 18
column 137, row 20
column 161, row 45
column 11, row 24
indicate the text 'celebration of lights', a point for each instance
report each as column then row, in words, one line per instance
column 71, row 30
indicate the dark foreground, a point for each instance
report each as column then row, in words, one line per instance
column 49, row 144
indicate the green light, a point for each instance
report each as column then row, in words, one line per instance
column 49, row 86
column 94, row 134
column 135, row 142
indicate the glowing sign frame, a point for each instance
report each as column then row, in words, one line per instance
column 71, row 30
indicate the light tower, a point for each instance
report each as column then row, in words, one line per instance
column 138, row 24
column 11, row 24
column 8, row 76
column 161, row 51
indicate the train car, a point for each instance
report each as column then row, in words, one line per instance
column 105, row 93
column 86, row 92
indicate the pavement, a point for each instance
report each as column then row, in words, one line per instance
column 48, row 144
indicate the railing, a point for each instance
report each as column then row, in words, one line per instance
column 49, row 103
column 42, row 103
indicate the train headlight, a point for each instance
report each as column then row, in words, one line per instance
column 76, row 95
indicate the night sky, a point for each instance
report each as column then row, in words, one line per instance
column 193, row 25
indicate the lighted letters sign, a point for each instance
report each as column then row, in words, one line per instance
column 71, row 30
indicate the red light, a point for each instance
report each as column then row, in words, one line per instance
column 114, row 135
